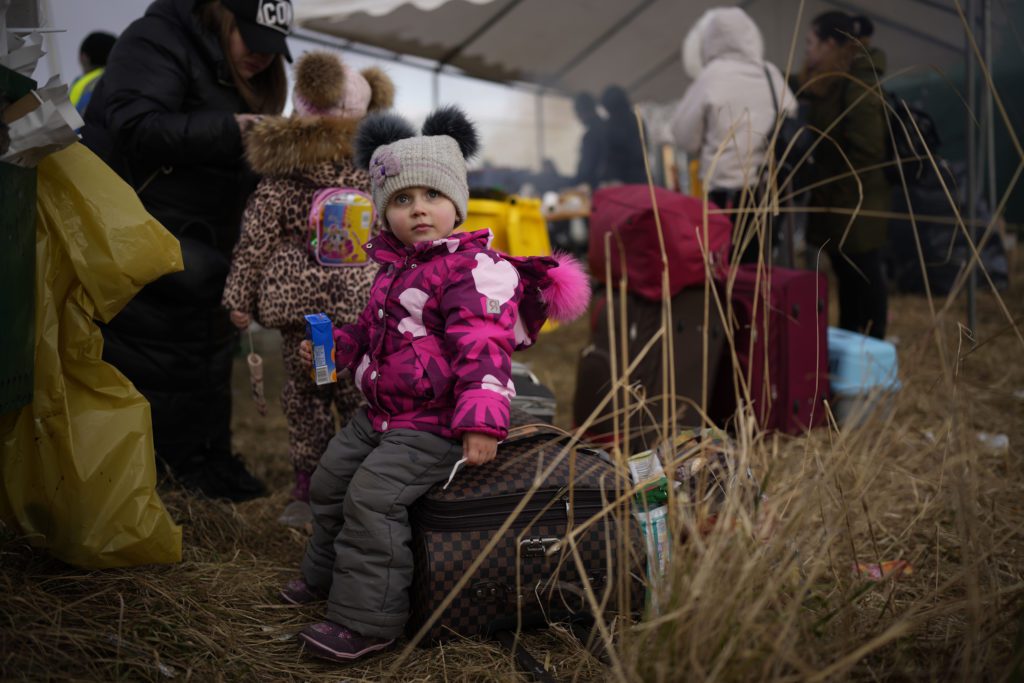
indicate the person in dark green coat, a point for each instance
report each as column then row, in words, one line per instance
column 839, row 85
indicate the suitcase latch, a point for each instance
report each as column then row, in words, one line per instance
column 488, row 591
column 537, row 546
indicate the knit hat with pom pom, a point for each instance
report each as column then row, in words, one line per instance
column 397, row 158
column 324, row 86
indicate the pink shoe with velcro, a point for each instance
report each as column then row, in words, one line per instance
column 337, row 643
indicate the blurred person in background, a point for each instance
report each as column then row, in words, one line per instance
column 92, row 55
column 624, row 155
column 592, row 165
column 729, row 110
column 181, row 85
column 841, row 72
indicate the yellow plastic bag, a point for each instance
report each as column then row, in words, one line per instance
column 77, row 465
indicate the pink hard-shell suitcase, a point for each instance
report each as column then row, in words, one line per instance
column 780, row 321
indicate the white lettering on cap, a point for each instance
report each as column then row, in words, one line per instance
column 275, row 14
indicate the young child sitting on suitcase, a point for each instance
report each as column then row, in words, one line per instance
column 432, row 355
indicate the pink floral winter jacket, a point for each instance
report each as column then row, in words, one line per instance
column 432, row 349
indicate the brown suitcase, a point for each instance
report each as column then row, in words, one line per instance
column 643, row 320
column 530, row 578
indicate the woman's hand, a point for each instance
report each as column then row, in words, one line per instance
column 247, row 121
column 306, row 353
column 240, row 319
column 479, row 448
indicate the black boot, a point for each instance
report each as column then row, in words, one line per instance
column 224, row 475
column 212, row 473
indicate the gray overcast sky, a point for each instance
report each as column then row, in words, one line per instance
column 505, row 116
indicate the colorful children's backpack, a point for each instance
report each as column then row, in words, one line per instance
column 340, row 221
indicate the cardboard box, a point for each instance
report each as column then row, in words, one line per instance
column 320, row 331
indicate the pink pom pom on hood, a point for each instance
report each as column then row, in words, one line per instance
column 567, row 296
column 555, row 287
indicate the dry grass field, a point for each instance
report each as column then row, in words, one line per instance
column 769, row 595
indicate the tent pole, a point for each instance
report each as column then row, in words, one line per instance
column 972, row 161
column 990, row 129
column 3, row 32
column 539, row 120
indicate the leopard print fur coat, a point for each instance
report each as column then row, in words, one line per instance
column 273, row 276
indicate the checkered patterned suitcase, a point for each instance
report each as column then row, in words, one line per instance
column 530, row 577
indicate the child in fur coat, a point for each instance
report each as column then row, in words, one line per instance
column 431, row 353
column 274, row 278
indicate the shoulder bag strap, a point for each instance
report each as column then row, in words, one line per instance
column 771, row 86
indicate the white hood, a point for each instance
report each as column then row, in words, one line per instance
column 720, row 32
column 728, row 113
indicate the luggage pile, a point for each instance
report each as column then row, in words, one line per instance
column 624, row 242
column 743, row 342
column 775, row 364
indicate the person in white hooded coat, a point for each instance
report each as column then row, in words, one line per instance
column 728, row 111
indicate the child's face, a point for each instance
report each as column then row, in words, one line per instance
column 420, row 214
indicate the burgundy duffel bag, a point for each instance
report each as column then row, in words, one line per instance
column 627, row 210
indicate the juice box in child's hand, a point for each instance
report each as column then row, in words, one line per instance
column 320, row 331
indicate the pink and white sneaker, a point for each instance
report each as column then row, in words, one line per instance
column 337, row 643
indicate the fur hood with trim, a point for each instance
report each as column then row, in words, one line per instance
column 331, row 99
column 299, row 145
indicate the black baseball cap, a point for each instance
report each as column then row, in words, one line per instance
column 264, row 24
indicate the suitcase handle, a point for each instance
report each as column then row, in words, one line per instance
column 497, row 592
column 538, row 546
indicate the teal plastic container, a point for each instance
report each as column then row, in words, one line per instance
column 863, row 374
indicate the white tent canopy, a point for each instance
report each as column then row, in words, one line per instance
column 586, row 45
column 574, row 45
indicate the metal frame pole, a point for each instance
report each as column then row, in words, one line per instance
column 990, row 128
column 972, row 160
column 539, row 120
column 3, row 31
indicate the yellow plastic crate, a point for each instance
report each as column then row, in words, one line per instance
column 517, row 223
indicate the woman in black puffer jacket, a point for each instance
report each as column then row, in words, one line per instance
column 181, row 85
